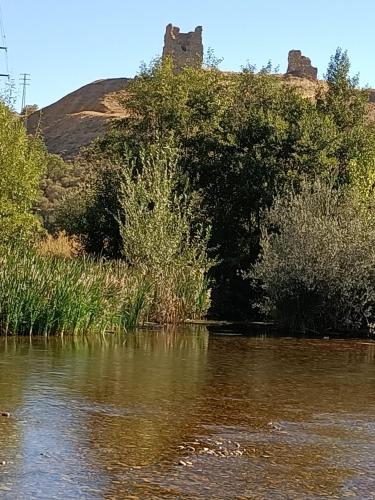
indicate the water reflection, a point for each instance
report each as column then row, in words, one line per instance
column 108, row 417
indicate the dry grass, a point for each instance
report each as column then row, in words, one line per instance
column 60, row 245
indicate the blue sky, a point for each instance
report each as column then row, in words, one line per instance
column 65, row 44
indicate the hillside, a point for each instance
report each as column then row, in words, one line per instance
column 80, row 117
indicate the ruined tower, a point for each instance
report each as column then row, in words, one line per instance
column 299, row 65
column 186, row 49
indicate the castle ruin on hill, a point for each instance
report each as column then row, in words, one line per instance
column 186, row 49
column 300, row 66
column 79, row 118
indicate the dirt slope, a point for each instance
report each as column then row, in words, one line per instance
column 80, row 117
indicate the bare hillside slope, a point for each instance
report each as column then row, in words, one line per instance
column 80, row 117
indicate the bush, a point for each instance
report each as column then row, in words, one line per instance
column 141, row 210
column 162, row 238
column 317, row 263
column 60, row 245
column 60, row 180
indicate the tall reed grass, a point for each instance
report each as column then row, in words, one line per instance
column 51, row 295
column 46, row 295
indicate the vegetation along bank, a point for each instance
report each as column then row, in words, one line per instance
column 227, row 194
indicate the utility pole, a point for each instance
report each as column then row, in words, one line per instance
column 25, row 82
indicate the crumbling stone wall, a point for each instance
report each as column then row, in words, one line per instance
column 299, row 65
column 186, row 49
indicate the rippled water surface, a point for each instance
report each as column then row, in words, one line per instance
column 187, row 414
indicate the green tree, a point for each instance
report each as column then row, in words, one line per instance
column 162, row 237
column 347, row 106
column 23, row 161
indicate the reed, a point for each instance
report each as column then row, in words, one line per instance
column 48, row 295
column 51, row 295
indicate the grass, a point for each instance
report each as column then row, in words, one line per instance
column 51, row 295
column 60, row 245
column 48, row 295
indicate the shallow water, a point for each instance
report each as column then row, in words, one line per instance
column 251, row 417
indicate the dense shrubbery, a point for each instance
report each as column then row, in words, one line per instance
column 162, row 238
column 58, row 182
column 317, row 263
column 136, row 211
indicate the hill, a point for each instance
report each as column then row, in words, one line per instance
column 80, row 117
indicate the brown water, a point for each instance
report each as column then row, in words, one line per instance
column 255, row 417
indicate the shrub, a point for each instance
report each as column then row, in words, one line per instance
column 60, row 245
column 62, row 185
column 317, row 263
column 162, row 238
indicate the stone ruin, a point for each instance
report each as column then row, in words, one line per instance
column 300, row 66
column 186, row 49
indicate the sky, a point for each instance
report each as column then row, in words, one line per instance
column 65, row 44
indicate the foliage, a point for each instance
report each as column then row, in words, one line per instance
column 141, row 211
column 90, row 208
column 241, row 138
column 28, row 110
column 60, row 245
column 317, row 264
column 162, row 238
column 347, row 106
column 23, row 161
column 60, row 181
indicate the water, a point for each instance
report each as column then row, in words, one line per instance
column 250, row 417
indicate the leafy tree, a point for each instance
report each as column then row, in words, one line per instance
column 84, row 201
column 59, row 179
column 29, row 109
column 347, row 106
column 161, row 235
column 23, row 161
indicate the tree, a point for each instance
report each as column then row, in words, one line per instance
column 347, row 106
column 28, row 110
column 22, row 161
column 239, row 135
column 162, row 237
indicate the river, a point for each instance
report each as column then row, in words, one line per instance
column 186, row 414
